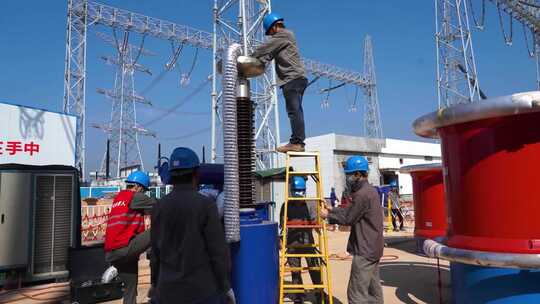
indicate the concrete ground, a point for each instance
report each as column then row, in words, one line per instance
column 406, row 277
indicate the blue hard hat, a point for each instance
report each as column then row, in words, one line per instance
column 298, row 183
column 355, row 164
column 183, row 158
column 139, row 177
column 269, row 21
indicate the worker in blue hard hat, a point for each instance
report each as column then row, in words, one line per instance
column 300, row 213
column 188, row 240
column 126, row 238
column 366, row 243
column 281, row 46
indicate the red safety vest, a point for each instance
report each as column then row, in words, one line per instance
column 123, row 223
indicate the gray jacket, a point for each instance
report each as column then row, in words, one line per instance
column 365, row 216
column 283, row 48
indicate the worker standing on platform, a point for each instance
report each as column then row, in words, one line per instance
column 366, row 243
column 298, row 213
column 188, row 240
column 282, row 47
column 125, row 237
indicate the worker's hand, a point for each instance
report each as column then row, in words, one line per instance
column 231, row 299
column 324, row 211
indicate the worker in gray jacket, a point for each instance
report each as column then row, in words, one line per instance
column 282, row 47
column 366, row 243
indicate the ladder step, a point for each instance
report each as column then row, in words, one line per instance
column 304, row 199
column 301, row 268
column 303, row 172
column 300, row 226
column 301, row 222
column 304, row 286
column 303, row 246
column 304, row 255
column 303, row 154
column 295, row 291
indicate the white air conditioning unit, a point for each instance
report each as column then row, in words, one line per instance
column 37, row 220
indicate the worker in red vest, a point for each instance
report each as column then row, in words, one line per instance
column 126, row 238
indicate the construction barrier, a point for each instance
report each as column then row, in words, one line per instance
column 94, row 223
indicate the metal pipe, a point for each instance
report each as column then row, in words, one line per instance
column 231, row 187
column 214, row 95
column 107, row 160
column 481, row 258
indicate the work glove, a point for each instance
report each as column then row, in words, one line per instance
column 109, row 275
column 231, row 299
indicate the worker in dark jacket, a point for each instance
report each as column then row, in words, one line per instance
column 282, row 47
column 366, row 243
column 188, row 240
column 298, row 213
column 125, row 237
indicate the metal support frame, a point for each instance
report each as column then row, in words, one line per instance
column 528, row 13
column 75, row 75
column 457, row 80
column 241, row 20
column 234, row 20
column 372, row 115
column 122, row 129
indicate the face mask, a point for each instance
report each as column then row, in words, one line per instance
column 350, row 180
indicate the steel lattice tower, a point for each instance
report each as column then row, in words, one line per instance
column 241, row 20
column 234, row 20
column 122, row 129
column 528, row 13
column 75, row 75
column 457, row 80
column 372, row 115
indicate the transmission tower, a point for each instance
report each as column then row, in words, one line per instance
column 527, row 12
column 75, row 76
column 457, row 80
column 372, row 115
column 234, row 20
column 123, row 131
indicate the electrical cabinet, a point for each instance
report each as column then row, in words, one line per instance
column 15, row 206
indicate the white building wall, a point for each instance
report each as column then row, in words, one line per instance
column 324, row 144
column 408, row 147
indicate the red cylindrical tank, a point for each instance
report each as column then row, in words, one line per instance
column 428, row 198
column 491, row 157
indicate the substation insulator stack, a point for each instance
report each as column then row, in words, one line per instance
column 246, row 145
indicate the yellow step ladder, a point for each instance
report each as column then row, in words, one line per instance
column 318, row 225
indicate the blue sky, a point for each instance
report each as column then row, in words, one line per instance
column 32, row 53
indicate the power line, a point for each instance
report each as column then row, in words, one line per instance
column 188, row 135
column 183, row 101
